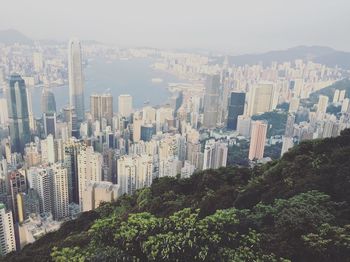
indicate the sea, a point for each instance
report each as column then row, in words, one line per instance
column 133, row 76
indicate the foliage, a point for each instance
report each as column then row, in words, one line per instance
column 332, row 242
column 276, row 122
column 238, row 154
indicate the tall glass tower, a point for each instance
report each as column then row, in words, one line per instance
column 235, row 108
column 18, row 113
column 76, row 81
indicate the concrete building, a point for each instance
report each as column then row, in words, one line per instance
column 101, row 107
column 257, row 140
column 261, row 99
column 98, row 192
column 125, row 105
column 211, row 101
column 89, row 169
column 7, row 233
column 215, row 154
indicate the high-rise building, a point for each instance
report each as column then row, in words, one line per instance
column 235, row 108
column 4, row 116
column 163, row 114
column 7, row 233
column 287, row 143
column 211, row 101
column 342, row 95
column 170, row 166
column 147, row 132
column 101, row 107
column 70, row 117
column 38, row 62
column 187, row 170
column 345, row 105
column 18, row 113
column 50, row 124
column 89, row 169
column 243, row 125
column 18, row 185
column 215, row 154
column 71, row 150
column 290, row 126
column 40, row 179
column 28, row 203
column 60, row 192
column 322, row 106
column 48, row 102
column 336, row 96
column 76, row 80
column 294, row 105
column 32, row 122
column 48, row 151
column 257, row 140
column 98, row 192
column 149, row 114
column 125, row 105
column 134, row 172
column 261, row 99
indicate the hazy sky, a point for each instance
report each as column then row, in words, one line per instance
column 237, row 26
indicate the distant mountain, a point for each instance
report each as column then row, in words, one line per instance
column 11, row 36
column 319, row 54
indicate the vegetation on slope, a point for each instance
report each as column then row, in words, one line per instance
column 296, row 208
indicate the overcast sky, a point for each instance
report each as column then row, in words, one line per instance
column 237, row 26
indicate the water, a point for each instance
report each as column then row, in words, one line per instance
column 116, row 77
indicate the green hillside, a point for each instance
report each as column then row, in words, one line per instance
column 293, row 209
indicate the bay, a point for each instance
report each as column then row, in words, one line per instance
column 133, row 76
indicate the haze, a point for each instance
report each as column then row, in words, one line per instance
column 222, row 25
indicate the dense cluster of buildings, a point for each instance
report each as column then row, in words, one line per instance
column 72, row 160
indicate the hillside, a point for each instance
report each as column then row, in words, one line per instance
column 11, row 36
column 293, row 209
column 319, row 54
column 343, row 84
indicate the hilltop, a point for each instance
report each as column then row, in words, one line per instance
column 11, row 36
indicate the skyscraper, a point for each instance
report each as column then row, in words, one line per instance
column 235, row 108
column 38, row 62
column 18, row 113
column 215, row 154
column 261, row 99
column 7, row 233
column 17, row 185
column 76, row 81
column 322, row 105
column 89, row 169
column 60, row 191
column 211, row 101
column 48, row 102
column 50, row 124
column 125, row 105
column 40, row 179
column 101, row 107
column 257, row 140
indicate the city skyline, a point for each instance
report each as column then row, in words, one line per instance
column 131, row 148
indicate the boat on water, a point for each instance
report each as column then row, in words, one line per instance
column 157, row 80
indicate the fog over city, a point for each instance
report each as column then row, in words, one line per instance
column 158, row 130
column 227, row 25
